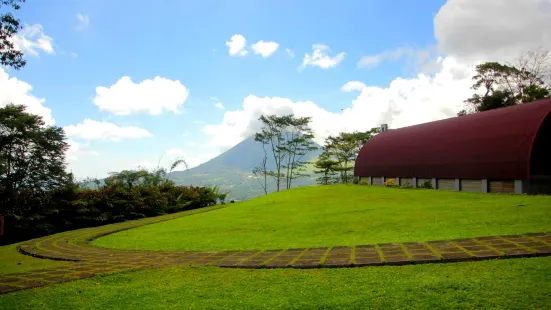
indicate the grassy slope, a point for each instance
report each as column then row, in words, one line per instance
column 498, row 284
column 12, row 261
column 343, row 215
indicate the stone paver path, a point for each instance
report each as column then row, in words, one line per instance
column 90, row 260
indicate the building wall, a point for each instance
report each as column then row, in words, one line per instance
column 467, row 185
column 445, row 184
column 539, row 185
column 501, row 186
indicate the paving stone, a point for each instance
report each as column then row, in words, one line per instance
column 367, row 262
column 486, row 254
column 487, row 238
column 420, row 252
column 249, row 265
column 8, row 288
column 476, row 248
column 519, row 252
column 424, row 258
column 397, row 260
column 276, row 264
column 306, row 264
column 454, row 257
column 366, row 246
column 31, row 284
column 337, row 263
column 505, row 246
column 545, row 250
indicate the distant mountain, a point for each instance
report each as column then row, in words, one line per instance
column 232, row 170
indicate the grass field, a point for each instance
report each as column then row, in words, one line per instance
column 12, row 261
column 342, row 215
column 318, row 216
column 499, row 284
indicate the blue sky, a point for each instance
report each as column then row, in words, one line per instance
column 96, row 43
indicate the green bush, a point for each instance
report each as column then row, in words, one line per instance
column 363, row 182
column 426, row 184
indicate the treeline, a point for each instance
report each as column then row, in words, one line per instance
column 288, row 140
column 38, row 197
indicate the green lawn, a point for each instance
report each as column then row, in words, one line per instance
column 499, row 284
column 12, row 261
column 342, row 215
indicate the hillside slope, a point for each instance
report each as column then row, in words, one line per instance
column 232, row 171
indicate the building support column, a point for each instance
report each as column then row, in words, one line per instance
column 414, row 182
column 518, row 186
column 398, row 180
column 370, row 180
column 484, row 185
column 434, row 183
column 457, row 185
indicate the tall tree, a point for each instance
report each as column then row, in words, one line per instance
column 261, row 172
column 499, row 85
column 9, row 25
column 32, row 155
column 272, row 134
column 326, row 168
column 345, row 148
column 298, row 143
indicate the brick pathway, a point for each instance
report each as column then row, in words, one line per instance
column 90, row 260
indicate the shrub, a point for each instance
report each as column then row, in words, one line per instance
column 391, row 183
column 406, row 185
column 426, row 184
column 363, row 182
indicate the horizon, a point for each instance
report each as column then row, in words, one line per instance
column 130, row 83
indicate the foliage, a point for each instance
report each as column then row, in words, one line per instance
column 391, row 183
column 289, row 138
column 505, row 85
column 364, row 183
column 9, row 25
column 32, row 157
column 426, row 185
column 344, row 149
column 326, row 168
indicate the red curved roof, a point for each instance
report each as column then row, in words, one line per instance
column 494, row 144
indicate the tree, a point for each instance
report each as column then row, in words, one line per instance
column 345, row 148
column 524, row 81
column 32, row 155
column 9, row 56
column 271, row 134
column 298, row 143
column 327, row 168
column 261, row 172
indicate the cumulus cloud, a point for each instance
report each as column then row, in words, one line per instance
column 16, row 91
column 149, row 96
column 219, row 105
column 236, row 45
column 265, row 48
column 404, row 102
column 78, row 150
column 96, row 130
column 321, row 58
column 496, row 30
column 31, row 40
column 83, row 21
column 353, row 86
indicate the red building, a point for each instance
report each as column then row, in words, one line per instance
column 506, row 150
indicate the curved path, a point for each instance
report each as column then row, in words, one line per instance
column 90, row 260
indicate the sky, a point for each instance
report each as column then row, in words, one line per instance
column 137, row 84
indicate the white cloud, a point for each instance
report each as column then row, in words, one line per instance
column 219, row 105
column 77, row 150
column 290, row 52
column 96, row 130
column 496, row 30
column 320, row 57
column 83, row 21
column 404, row 102
column 19, row 92
column 353, row 86
column 237, row 45
column 265, row 48
column 31, row 39
column 149, row 96
column 374, row 60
